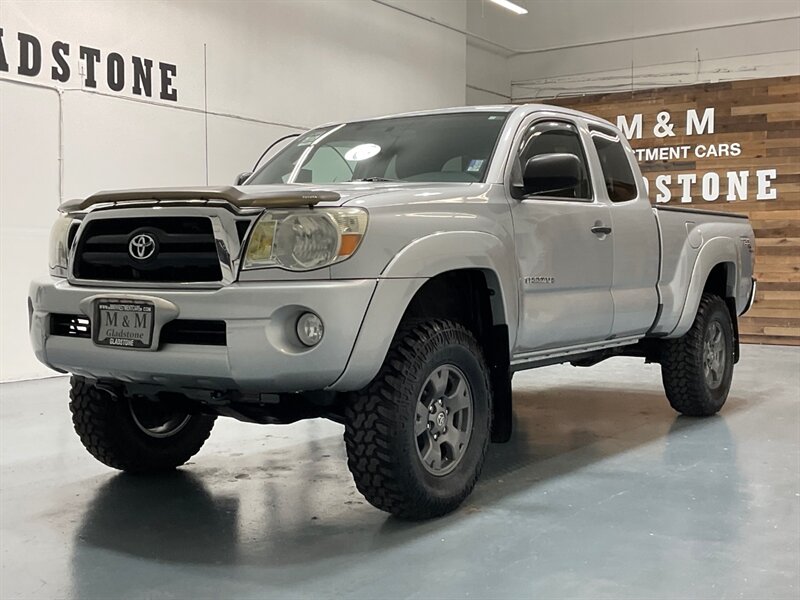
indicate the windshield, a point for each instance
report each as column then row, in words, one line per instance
column 439, row 147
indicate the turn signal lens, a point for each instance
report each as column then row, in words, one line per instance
column 350, row 242
column 352, row 224
column 259, row 249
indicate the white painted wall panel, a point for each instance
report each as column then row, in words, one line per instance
column 304, row 70
column 112, row 144
column 28, row 199
column 235, row 145
column 488, row 77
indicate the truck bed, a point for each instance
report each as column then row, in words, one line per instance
column 692, row 240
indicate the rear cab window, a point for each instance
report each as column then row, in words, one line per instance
column 618, row 176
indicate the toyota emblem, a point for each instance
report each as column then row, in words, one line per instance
column 142, row 246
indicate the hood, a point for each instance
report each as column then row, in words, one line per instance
column 369, row 193
column 288, row 195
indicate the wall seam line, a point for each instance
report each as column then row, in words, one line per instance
column 152, row 103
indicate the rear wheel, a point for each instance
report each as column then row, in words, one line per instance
column 135, row 434
column 697, row 368
column 416, row 437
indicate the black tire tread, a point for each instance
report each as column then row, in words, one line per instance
column 95, row 416
column 681, row 369
column 370, row 419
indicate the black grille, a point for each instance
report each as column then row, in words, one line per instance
column 185, row 250
column 70, row 325
column 191, row 331
column 180, row 331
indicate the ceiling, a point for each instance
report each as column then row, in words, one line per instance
column 558, row 23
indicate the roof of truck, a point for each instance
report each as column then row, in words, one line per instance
column 507, row 108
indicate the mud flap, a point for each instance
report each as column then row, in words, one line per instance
column 500, row 380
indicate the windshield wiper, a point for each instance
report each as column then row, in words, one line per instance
column 374, row 179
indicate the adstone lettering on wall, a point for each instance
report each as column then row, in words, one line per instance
column 99, row 69
column 711, row 186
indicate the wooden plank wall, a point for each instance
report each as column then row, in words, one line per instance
column 763, row 117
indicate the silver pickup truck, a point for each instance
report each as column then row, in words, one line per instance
column 390, row 274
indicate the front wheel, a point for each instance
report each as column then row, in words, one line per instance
column 417, row 435
column 697, row 368
column 134, row 434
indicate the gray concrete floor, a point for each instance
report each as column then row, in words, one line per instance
column 602, row 493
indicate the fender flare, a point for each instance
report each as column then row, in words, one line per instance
column 715, row 251
column 407, row 272
column 445, row 251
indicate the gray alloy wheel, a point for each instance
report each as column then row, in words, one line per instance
column 155, row 420
column 443, row 419
column 714, row 354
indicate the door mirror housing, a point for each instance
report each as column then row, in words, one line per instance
column 554, row 174
column 242, row 177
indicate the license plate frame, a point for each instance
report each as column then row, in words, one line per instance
column 135, row 334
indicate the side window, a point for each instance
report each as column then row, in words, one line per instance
column 617, row 173
column 553, row 137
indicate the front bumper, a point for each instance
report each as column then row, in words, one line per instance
column 260, row 353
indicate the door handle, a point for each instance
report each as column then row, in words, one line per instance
column 601, row 229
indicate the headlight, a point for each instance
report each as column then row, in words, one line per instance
column 59, row 245
column 301, row 240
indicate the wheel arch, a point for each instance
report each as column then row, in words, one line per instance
column 457, row 251
column 431, row 278
column 714, row 272
column 722, row 282
column 442, row 295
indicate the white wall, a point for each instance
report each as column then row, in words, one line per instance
column 575, row 47
column 488, row 75
column 272, row 67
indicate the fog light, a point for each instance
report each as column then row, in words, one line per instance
column 310, row 329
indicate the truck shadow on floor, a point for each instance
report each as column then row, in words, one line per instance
column 299, row 507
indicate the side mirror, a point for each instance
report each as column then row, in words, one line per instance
column 551, row 174
column 242, row 177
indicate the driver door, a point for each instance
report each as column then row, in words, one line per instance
column 565, row 265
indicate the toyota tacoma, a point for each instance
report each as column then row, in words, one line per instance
column 392, row 275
